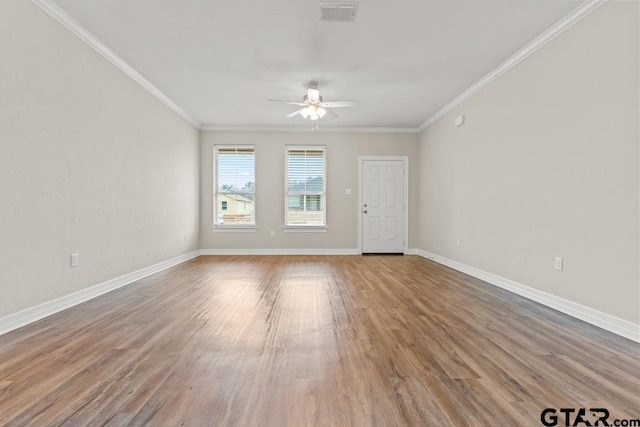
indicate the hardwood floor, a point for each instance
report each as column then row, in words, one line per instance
column 312, row 341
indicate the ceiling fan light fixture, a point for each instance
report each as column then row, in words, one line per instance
column 313, row 106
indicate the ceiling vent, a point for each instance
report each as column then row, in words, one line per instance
column 338, row 12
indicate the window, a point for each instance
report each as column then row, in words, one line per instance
column 234, row 186
column 305, row 187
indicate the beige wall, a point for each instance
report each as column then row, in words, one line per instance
column 89, row 163
column 547, row 165
column 343, row 150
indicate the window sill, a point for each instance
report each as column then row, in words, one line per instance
column 305, row 229
column 232, row 229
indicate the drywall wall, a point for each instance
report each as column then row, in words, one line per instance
column 343, row 150
column 546, row 165
column 90, row 163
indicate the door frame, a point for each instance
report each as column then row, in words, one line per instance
column 405, row 160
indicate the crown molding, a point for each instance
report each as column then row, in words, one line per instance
column 551, row 33
column 308, row 129
column 72, row 25
column 586, row 8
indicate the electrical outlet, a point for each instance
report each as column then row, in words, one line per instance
column 458, row 241
column 272, row 233
column 75, row 260
column 558, row 263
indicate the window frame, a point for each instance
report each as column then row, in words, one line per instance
column 233, row 227
column 305, row 227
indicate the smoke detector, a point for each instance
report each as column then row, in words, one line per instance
column 338, row 11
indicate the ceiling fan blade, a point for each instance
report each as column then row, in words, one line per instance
column 339, row 104
column 286, row 102
column 296, row 112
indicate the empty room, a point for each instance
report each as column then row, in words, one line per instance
column 320, row 213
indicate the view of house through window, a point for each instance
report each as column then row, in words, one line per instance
column 305, row 186
column 234, row 197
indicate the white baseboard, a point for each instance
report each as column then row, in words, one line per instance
column 40, row 311
column 316, row 251
column 605, row 321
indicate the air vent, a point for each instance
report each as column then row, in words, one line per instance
column 340, row 12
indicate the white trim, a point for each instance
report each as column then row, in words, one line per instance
column 72, row 25
column 551, row 33
column 234, row 146
column 231, row 229
column 605, row 321
column 305, row 229
column 405, row 160
column 355, row 129
column 40, row 311
column 315, row 251
column 558, row 28
column 299, row 147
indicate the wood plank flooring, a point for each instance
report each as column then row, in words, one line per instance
column 311, row 341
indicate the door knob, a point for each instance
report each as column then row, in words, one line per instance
column 365, row 205
column 365, row 211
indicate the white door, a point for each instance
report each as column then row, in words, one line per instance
column 382, row 206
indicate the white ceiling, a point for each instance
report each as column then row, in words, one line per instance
column 402, row 60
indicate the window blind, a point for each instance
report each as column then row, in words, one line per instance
column 234, row 186
column 305, row 186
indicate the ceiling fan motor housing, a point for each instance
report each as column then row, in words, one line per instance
column 311, row 101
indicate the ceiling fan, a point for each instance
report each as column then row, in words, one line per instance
column 313, row 107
